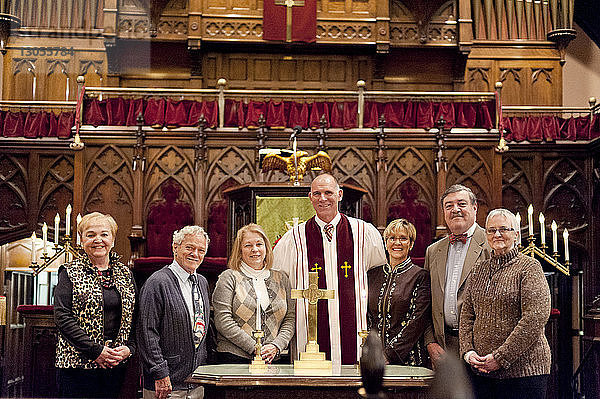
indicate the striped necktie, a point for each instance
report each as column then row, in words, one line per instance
column 199, row 324
column 328, row 229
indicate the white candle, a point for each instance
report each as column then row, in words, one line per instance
column 67, row 91
column 45, row 237
column 33, row 238
column 258, row 317
column 77, row 228
column 68, row 220
column 542, row 228
column 56, row 228
column 519, row 226
column 34, row 86
column 530, row 219
column 554, row 228
column 566, row 238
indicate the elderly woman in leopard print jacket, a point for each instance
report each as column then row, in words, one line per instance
column 94, row 311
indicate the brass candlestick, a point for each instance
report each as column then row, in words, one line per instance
column 66, row 246
column 258, row 365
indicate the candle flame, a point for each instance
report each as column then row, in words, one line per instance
column 554, row 226
column 530, row 209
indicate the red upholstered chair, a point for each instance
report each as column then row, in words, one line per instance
column 165, row 216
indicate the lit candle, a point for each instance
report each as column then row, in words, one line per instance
column 519, row 226
column 542, row 229
column 67, row 91
column 566, row 238
column 68, row 220
column 530, row 219
column 258, row 316
column 33, row 247
column 554, row 228
column 45, row 237
column 56, row 228
column 77, row 228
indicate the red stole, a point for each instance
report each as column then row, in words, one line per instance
column 345, row 290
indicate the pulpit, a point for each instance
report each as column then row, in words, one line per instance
column 272, row 205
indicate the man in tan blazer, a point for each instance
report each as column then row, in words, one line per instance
column 449, row 262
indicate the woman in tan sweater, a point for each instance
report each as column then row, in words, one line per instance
column 505, row 310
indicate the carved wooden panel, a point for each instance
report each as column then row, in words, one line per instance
column 478, row 79
column 228, row 163
column 92, row 71
column 517, row 192
column 57, row 81
column 56, row 187
column 108, row 188
column 407, row 26
column 299, row 71
column 356, row 166
column 543, row 81
column 24, row 74
column 14, row 181
column 565, row 193
column 169, row 162
column 411, row 192
column 514, row 83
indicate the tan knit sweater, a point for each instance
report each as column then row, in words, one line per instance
column 506, row 307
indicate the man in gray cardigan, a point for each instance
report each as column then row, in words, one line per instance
column 174, row 317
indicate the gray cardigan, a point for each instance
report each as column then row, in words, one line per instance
column 165, row 340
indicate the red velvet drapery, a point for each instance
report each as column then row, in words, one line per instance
column 36, row 124
column 161, row 112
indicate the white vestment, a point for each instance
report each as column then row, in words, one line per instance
column 291, row 257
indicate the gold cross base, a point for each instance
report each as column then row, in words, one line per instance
column 257, row 366
column 312, row 360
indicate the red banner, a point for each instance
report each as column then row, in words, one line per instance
column 304, row 20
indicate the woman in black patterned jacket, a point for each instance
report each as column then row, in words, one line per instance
column 94, row 311
column 399, row 301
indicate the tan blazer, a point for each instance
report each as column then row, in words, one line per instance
column 435, row 262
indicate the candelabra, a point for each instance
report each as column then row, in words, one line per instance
column 65, row 246
column 62, row 245
column 540, row 251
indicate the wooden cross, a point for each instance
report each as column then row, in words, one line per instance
column 315, row 268
column 288, row 15
column 313, row 294
column 346, row 266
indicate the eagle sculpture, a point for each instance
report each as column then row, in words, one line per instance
column 304, row 162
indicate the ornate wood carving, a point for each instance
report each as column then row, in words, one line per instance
column 56, row 186
column 14, row 180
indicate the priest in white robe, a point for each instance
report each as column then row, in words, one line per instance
column 341, row 249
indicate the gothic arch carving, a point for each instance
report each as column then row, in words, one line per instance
column 469, row 168
column 170, row 162
column 409, row 163
column 350, row 163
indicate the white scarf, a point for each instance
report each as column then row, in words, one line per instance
column 258, row 281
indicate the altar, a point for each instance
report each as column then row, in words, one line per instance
column 280, row 381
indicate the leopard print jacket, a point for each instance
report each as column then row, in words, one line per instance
column 88, row 308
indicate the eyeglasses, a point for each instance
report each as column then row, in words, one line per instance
column 399, row 239
column 503, row 230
